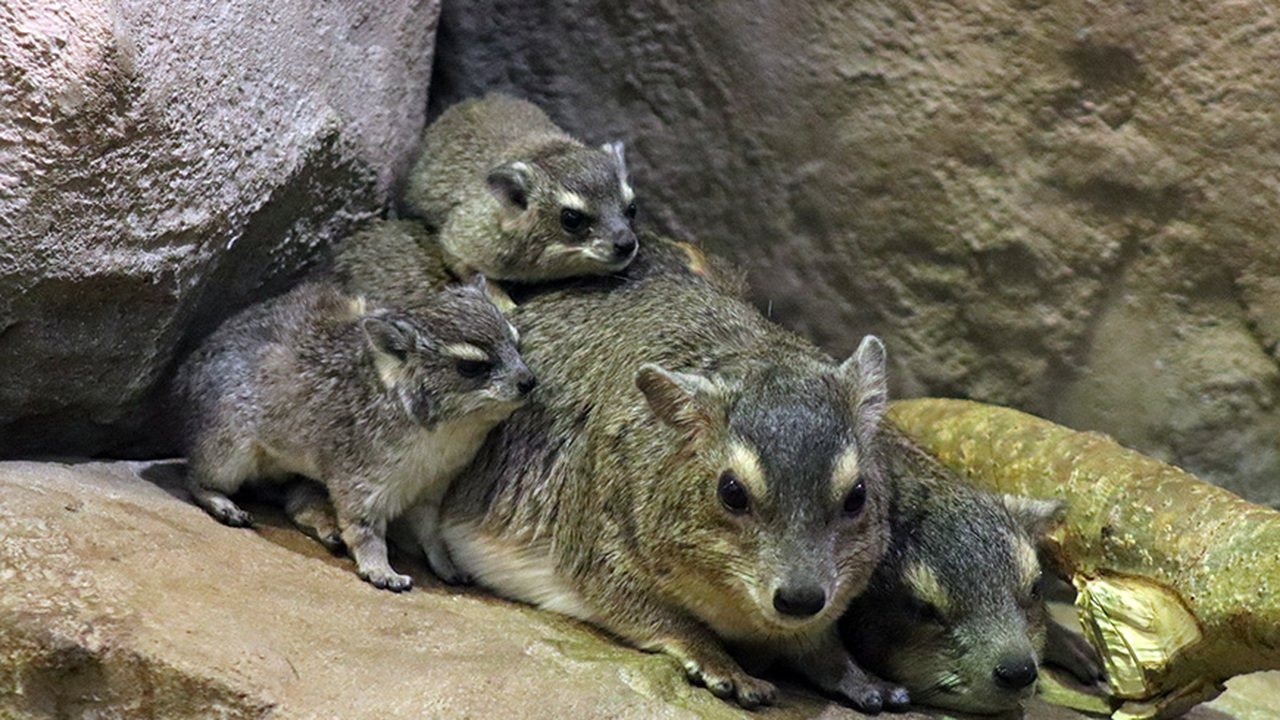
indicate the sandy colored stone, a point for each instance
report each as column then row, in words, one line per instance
column 163, row 164
column 1068, row 207
column 119, row 598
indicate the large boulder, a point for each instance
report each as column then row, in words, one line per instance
column 163, row 164
column 1066, row 207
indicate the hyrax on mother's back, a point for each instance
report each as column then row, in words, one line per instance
column 381, row 406
column 516, row 198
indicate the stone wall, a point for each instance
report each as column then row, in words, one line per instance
column 1069, row 207
column 163, row 164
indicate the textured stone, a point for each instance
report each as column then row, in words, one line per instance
column 162, row 164
column 119, row 598
column 1067, row 207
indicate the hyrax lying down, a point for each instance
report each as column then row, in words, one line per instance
column 693, row 479
column 954, row 611
column 380, row 406
column 514, row 197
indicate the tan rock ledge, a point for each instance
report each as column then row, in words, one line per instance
column 118, row 598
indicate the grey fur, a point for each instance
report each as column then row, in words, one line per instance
column 491, row 178
column 974, row 545
column 600, row 499
column 368, row 400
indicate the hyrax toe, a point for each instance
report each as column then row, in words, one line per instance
column 756, row 692
column 392, row 581
column 233, row 516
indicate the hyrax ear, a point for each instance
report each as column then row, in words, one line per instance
column 1034, row 516
column 864, row 371
column 511, row 183
column 390, row 340
column 618, row 151
column 684, row 401
column 480, row 282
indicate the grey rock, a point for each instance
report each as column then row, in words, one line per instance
column 164, row 164
column 986, row 187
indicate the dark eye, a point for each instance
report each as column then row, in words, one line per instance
column 631, row 211
column 474, row 368
column 732, row 495
column 572, row 220
column 924, row 611
column 1037, row 588
column 856, row 499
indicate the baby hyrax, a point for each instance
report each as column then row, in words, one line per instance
column 515, row 198
column 380, row 406
column 954, row 610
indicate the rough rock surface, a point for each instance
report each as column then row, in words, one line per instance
column 162, row 164
column 1069, row 207
column 119, row 598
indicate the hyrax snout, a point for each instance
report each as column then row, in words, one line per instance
column 381, row 406
column 516, row 198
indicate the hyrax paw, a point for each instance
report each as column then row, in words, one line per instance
column 746, row 690
column 233, row 516
column 871, row 696
column 387, row 580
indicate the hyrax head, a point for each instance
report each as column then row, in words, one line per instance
column 567, row 211
column 456, row 358
column 774, row 512
column 954, row 613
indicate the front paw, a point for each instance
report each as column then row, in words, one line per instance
column 870, row 694
column 387, row 580
column 733, row 683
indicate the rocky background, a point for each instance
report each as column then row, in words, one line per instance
column 164, row 164
column 1067, row 207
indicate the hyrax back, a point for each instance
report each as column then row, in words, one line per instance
column 515, row 198
column 380, row 406
column 693, row 479
column 954, row 611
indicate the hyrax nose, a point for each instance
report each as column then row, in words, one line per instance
column 803, row 601
column 527, row 383
column 624, row 244
column 1015, row 673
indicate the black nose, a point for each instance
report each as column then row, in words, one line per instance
column 1015, row 673
column 624, row 245
column 799, row 602
column 527, row 385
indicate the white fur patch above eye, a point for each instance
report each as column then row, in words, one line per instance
column 359, row 308
column 745, row 463
column 570, row 199
column 465, row 351
column 515, row 334
column 628, row 195
column 845, row 473
column 924, row 585
column 1028, row 563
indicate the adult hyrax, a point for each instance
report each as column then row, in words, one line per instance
column 690, row 477
column 954, row 611
column 380, row 406
column 516, row 198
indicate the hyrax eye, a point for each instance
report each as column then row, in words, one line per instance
column 924, row 611
column 474, row 368
column 572, row 220
column 732, row 494
column 631, row 211
column 856, row 499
